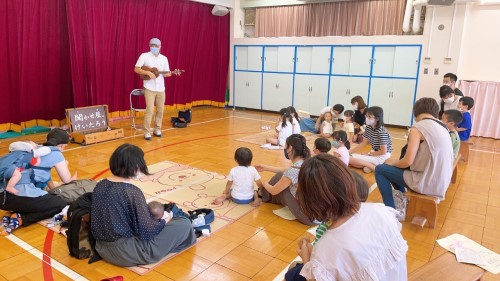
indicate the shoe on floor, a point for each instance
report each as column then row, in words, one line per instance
column 147, row 136
column 367, row 170
column 157, row 133
column 6, row 219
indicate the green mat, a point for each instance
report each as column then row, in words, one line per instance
column 34, row 130
column 9, row 134
column 28, row 131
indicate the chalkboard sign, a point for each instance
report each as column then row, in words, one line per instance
column 88, row 119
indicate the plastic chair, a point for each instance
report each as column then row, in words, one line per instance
column 133, row 108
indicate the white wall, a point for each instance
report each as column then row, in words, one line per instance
column 481, row 45
column 429, row 84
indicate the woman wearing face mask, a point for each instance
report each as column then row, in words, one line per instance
column 448, row 99
column 377, row 137
column 282, row 188
column 429, row 157
column 359, row 107
column 126, row 231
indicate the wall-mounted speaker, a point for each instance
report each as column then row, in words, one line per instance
column 220, row 11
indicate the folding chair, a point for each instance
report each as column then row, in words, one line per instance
column 133, row 109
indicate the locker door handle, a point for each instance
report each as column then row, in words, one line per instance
column 278, row 85
column 349, row 91
column 346, row 91
column 311, row 88
column 333, row 60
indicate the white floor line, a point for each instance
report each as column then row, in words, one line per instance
column 485, row 151
column 254, row 119
column 372, row 188
column 53, row 263
column 141, row 135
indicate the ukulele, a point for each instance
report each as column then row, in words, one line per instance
column 157, row 73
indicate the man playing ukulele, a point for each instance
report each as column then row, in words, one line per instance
column 154, row 87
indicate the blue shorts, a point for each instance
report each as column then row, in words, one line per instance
column 246, row 201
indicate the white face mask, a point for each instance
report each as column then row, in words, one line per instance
column 449, row 100
column 355, row 106
column 370, row 121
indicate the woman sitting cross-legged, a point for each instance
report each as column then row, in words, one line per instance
column 363, row 240
column 377, row 137
column 282, row 187
column 427, row 165
column 126, row 232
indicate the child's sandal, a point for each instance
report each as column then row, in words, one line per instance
column 6, row 219
column 15, row 222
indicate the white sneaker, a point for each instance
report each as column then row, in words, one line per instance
column 401, row 203
column 147, row 136
column 157, row 133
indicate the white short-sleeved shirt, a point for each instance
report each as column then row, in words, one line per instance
column 344, row 154
column 348, row 127
column 284, row 132
column 296, row 126
column 377, row 251
column 243, row 179
column 161, row 63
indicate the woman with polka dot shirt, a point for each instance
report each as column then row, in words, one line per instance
column 127, row 233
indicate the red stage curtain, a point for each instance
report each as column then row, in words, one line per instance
column 58, row 54
column 107, row 37
column 35, row 77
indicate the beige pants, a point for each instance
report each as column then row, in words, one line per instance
column 153, row 99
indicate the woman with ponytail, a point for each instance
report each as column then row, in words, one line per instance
column 29, row 210
column 282, row 188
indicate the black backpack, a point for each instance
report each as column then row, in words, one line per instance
column 81, row 243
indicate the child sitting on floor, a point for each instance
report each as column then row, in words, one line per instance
column 465, row 104
column 342, row 145
column 326, row 128
column 19, row 182
column 295, row 120
column 451, row 118
column 349, row 124
column 322, row 145
column 284, row 128
column 240, row 181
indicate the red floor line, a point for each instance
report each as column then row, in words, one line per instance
column 176, row 143
column 47, row 250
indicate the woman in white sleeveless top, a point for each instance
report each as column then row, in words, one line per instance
column 427, row 166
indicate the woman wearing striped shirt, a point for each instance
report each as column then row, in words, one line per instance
column 377, row 137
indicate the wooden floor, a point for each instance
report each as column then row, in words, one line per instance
column 259, row 245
